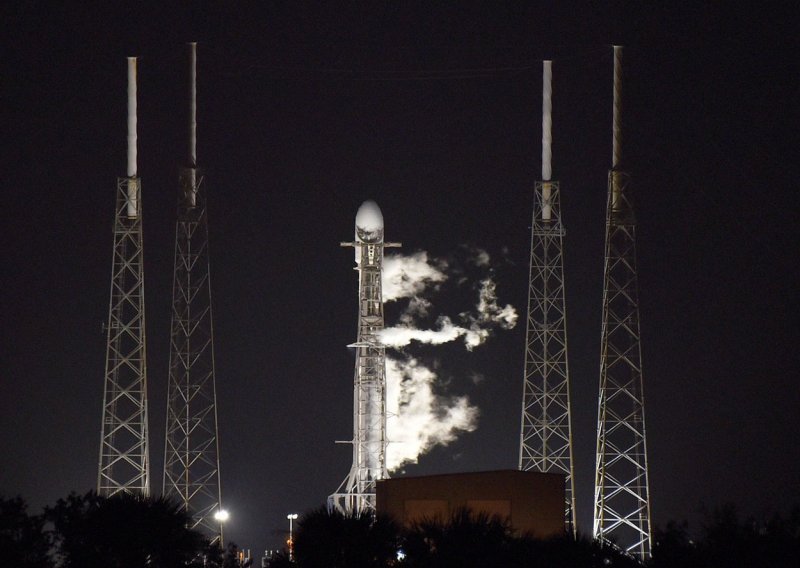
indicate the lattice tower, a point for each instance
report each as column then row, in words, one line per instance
column 546, row 433
column 191, row 456
column 124, row 456
column 622, row 502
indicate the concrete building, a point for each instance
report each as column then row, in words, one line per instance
column 532, row 502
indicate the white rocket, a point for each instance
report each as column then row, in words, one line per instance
column 357, row 491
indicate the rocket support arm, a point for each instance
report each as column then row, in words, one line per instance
column 360, row 243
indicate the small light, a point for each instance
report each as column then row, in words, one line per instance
column 221, row 515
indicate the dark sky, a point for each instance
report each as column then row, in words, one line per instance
column 436, row 114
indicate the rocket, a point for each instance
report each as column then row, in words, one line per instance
column 357, row 491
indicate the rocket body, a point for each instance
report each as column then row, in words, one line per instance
column 357, row 492
column 369, row 388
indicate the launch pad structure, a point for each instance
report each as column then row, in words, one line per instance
column 124, row 464
column 546, row 430
column 621, row 490
column 357, row 491
column 191, row 452
column 191, row 461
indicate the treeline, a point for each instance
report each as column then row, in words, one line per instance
column 126, row 531
column 89, row 531
column 726, row 540
column 465, row 540
column 332, row 540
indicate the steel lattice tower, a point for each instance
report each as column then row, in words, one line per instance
column 357, row 491
column 191, row 457
column 546, row 433
column 124, row 457
column 621, row 502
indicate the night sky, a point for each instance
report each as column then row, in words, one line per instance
column 436, row 114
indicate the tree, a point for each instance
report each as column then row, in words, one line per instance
column 123, row 531
column 281, row 560
column 477, row 540
column 725, row 540
column 330, row 539
column 463, row 540
column 231, row 558
column 673, row 548
column 577, row 552
column 23, row 541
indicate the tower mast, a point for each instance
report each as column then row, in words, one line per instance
column 124, row 464
column 546, row 432
column 357, row 491
column 621, row 493
column 191, row 456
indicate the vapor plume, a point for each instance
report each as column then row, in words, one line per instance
column 421, row 413
column 475, row 326
column 419, row 418
column 488, row 309
column 447, row 331
column 409, row 276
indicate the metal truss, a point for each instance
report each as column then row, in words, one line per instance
column 546, row 433
column 124, row 463
column 191, row 457
column 357, row 491
column 621, row 502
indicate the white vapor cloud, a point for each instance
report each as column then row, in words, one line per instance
column 475, row 329
column 479, row 257
column 409, row 276
column 419, row 418
column 490, row 311
column 402, row 335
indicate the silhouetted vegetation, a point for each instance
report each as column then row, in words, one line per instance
column 127, row 531
column 466, row 540
column 333, row 540
column 229, row 560
column 122, row 531
column 23, row 541
column 330, row 539
column 89, row 531
column 725, row 541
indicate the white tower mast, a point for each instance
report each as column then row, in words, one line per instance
column 621, row 491
column 124, row 456
column 357, row 491
column 546, row 433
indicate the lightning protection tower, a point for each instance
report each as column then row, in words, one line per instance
column 546, row 434
column 357, row 491
column 621, row 494
column 191, row 456
column 124, row 459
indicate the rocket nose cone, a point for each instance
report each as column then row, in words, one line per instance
column 369, row 217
